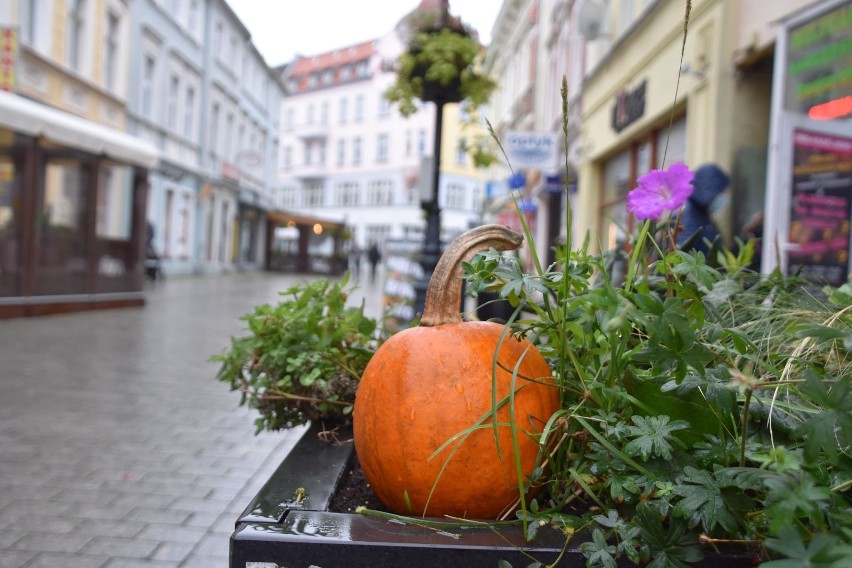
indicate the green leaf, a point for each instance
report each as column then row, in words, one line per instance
column 821, row 552
column 702, row 501
column 651, row 436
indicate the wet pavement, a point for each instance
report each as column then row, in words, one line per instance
column 118, row 448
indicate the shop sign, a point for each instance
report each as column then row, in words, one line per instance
column 821, row 207
column 8, row 58
column 819, row 65
column 532, row 150
column 629, row 107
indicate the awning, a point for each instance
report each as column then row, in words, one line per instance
column 36, row 119
column 285, row 217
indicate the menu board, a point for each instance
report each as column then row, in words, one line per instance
column 821, row 207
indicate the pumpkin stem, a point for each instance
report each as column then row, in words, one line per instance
column 444, row 292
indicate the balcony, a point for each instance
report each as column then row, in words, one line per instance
column 309, row 171
column 315, row 131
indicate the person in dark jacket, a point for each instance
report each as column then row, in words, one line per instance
column 373, row 256
column 709, row 183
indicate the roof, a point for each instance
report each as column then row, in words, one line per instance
column 335, row 61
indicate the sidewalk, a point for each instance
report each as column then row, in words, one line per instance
column 117, row 446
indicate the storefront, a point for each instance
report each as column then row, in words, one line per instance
column 634, row 118
column 809, row 184
column 72, row 211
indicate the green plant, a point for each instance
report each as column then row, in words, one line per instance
column 302, row 358
column 442, row 63
column 702, row 404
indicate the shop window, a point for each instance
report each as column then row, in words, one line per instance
column 11, row 227
column 61, row 255
column 616, row 180
column 622, row 170
column 672, row 145
column 113, row 229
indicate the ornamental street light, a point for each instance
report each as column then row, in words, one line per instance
column 441, row 95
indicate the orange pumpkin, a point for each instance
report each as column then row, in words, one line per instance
column 431, row 383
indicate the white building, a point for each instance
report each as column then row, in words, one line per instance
column 347, row 155
column 201, row 92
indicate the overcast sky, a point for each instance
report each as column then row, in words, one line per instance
column 282, row 29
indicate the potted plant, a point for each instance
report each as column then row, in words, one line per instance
column 704, row 419
column 442, row 63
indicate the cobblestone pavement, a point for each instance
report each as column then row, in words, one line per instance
column 117, row 446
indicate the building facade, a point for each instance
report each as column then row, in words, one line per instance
column 73, row 185
column 635, row 104
column 349, row 156
column 204, row 95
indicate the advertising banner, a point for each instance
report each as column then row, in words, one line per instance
column 821, row 207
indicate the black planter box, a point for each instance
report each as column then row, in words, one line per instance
column 277, row 530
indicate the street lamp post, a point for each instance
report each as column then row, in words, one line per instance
column 431, row 253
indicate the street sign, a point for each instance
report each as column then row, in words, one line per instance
column 532, row 150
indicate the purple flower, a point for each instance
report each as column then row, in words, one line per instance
column 660, row 190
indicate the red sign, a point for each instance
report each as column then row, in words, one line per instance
column 8, row 58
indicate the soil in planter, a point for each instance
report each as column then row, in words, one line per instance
column 354, row 491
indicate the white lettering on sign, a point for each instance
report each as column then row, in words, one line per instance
column 532, row 150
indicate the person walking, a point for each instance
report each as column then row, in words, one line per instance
column 374, row 256
column 355, row 261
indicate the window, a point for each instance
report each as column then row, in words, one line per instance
column 35, row 27
column 356, row 151
column 76, row 33
column 214, row 129
column 380, row 192
column 455, row 196
column 110, row 50
column 345, row 73
column 192, row 16
column 324, row 113
column 346, row 194
column 287, row 198
column 146, row 103
column 309, row 119
column 461, row 152
column 382, row 148
column 172, row 108
column 359, row 107
column 189, row 113
column 384, row 106
column 620, row 173
column 309, row 153
column 321, row 148
column 421, row 142
column 313, row 195
column 227, row 154
column 343, row 108
column 218, row 37
column 408, row 143
column 287, row 157
column 234, row 54
column 341, row 152
column 288, row 119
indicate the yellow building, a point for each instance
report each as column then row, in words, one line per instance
column 72, row 184
column 650, row 99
